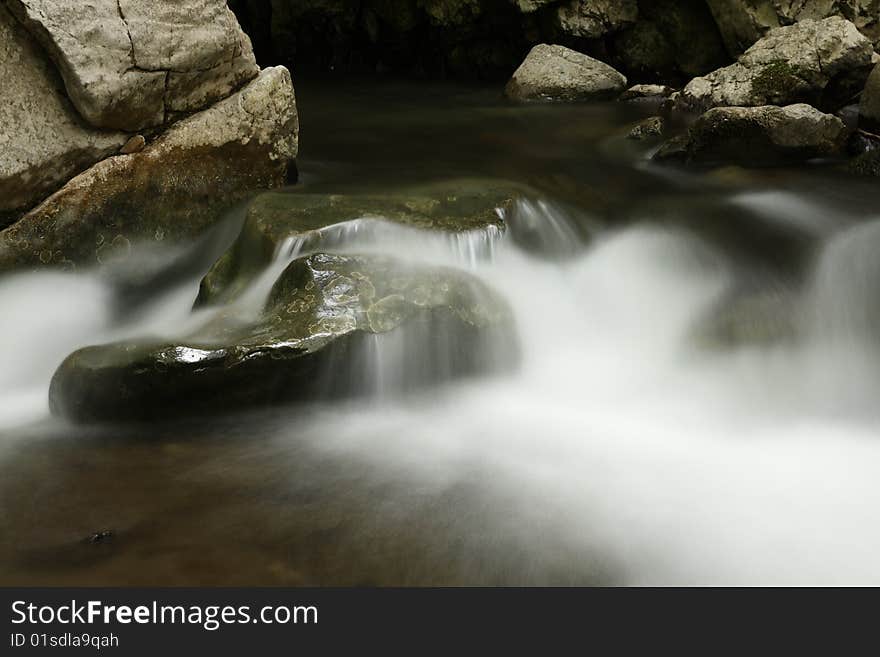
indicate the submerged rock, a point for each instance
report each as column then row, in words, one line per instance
column 818, row 62
column 869, row 108
column 323, row 319
column 43, row 142
column 127, row 64
column 557, row 73
column 758, row 136
column 274, row 219
column 171, row 189
column 752, row 318
column 650, row 128
column 866, row 164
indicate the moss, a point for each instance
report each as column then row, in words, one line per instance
column 776, row 83
column 453, row 206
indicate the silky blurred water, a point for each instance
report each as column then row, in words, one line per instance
column 696, row 401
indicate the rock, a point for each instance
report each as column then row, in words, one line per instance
column 529, row 6
column 323, row 318
column 450, row 13
column 134, row 145
column 276, row 219
column 592, row 19
column 673, row 40
column 758, row 136
column 43, row 142
column 743, row 22
column 869, row 107
column 556, row 73
column 172, row 189
column 648, row 129
column 646, row 92
column 128, row 64
column 867, row 164
column 818, row 62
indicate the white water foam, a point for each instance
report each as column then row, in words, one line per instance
column 751, row 465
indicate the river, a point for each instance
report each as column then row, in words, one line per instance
column 696, row 401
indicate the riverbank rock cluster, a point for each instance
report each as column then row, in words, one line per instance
column 130, row 120
column 800, row 91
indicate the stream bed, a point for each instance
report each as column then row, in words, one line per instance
column 695, row 399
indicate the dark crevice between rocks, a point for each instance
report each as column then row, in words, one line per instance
column 671, row 42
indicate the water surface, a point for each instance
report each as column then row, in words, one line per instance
column 696, row 401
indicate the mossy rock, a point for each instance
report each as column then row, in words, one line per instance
column 311, row 341
column 453, row 207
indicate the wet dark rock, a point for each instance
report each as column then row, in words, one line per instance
column 867, row 164
column 758, row 136
column 103, row 536
column 273, row 218
column 869, row 108
column 672, row 40
column 650, row 128
column 311, row 340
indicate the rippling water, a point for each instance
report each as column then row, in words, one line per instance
column 696, row 404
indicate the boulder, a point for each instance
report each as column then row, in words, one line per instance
column 819, row 62
column 869, row 107
column 43, row 142
column 646, row 93
column 129, row 64
column 743, row 22
column 759, row 136
column 556, row 73
column 172, row 188
column 323, row 318
column 592, row 19
column 311, row 222
column 866, row 164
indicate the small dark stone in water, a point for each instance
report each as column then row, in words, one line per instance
column 103, row 536
column 647, row 129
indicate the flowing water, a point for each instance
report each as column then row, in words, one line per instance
column 696, row 400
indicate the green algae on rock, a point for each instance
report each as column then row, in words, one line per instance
column 311, row 341
column 453, row 207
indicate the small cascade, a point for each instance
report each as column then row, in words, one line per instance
column 845, row 306
column 548, row 229
column 372, row 235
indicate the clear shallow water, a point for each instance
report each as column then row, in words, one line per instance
column 696, row 402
